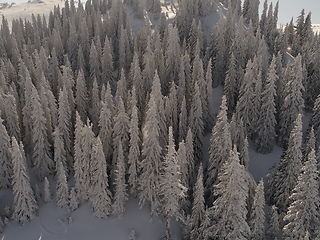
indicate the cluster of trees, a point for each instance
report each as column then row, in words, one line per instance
column 119, row 114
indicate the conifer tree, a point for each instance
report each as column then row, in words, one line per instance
column 302, row 215
column 257, row 216
column 171, row 189
column 11, row 117
column 47, row 192
column 198, row 207
column 81, row 98
column 267, row 118
column 229, row 211
column 74, row 201
column 220, row 147
column 183, row 120
column 41, row 154
column 64, row 124
column 107, row 64
column 274, row 229
column 190, row 156
column 289, row 168
column 196, row 122
column 62, row 192
column 151, row 159
column 245, row 103
column 5, row 157
column 100, row 193
column 120, row 195
column 24, row 203
column 134, row 156
column 293, row 101
column 120, row 133
column 105, row 133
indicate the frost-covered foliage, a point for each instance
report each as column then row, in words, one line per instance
column 92, row 94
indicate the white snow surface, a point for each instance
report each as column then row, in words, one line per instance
column 52, row 224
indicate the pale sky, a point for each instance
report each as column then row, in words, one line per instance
column 292, row 8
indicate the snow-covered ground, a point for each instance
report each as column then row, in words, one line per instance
column 25, row 10
column 52, row 224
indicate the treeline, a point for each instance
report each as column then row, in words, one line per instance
column 112, row 114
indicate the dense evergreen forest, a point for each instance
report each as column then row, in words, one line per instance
column 110, row 114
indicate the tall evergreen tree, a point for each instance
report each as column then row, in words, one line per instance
column 24, row 203
column 302, row 215
column 267, row 119
column 196, row 123
column 100, row 193
column 120, row 195
column 171, row 189
column 257, row 216
column 5, row 157
column 289, row 168
column 293, row 101
column 220, row 147
column 151, row 159
column 42, row 159
column 134, row 156
column 229, row 211
column 274, row 228
column 62, row 192
column 198, row 207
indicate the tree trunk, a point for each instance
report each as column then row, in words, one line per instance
column 168, row 228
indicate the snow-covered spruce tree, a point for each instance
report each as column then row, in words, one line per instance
column 24, row 76
column 24, row 203
column 209, row 116
column 5, row 157
column 219, row 149
column 267, row 119
column 158, row 98
column 107, row 64
column 171, row 109
column 172, row 54
column 303, row 215
column 289, row 168
column 134, row 156
column 171, row 190
column 41, row 154
column 99, row 192
column 230, row 84
column 151, row 159
column 196, row 122
column 257, row 216
column 74, row 201
column 120, row 189
column 183, row 120
column 62, row 191
column 80, row 163
column 64, row 124
column 120, row 133
column 190, row 156
column 11, row 116
column 81, row 98
column 245, row 103
column 229, row 211
column 95, row 106
column 198, row 207
column 293, row 101
column 315, row 119
column 274, row 228
column 105, row 133
column 46, row 191
column 310, row 143
column 60, row 154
